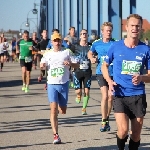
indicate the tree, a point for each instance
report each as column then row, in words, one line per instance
column 145, row 35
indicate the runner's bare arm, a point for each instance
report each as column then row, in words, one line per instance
column 136, row 79
column 90, row 56
column 104, row 69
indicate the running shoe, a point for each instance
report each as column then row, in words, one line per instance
column 84, row 111
column 23, row 87
column 78, row 99
column 26, row 89
column 104, row 127
column 57, row 139
column 71, row 85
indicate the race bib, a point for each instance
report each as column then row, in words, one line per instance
column 84, row 65
column 28, row 59
column 131, row 67
column 21, row 57
column 55, row 72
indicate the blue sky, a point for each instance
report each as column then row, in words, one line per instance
column 14, row 12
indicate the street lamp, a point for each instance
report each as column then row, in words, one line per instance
column 28, row 23
column 21, row 27
column 34, row 11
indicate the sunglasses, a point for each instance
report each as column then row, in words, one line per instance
column 83, row 33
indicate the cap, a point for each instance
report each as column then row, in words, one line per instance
column 55, row 36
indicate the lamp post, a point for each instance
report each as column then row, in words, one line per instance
column 34, row 11
column 22, row 28
column 28, row 23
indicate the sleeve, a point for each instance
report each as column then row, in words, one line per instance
column 38, row 46
column 49, row 44
column 64, row 43
column 93, row 48
column 110, row 55
column 147, row 60
column 18, row 43
column 72, row 57
column 44, row 59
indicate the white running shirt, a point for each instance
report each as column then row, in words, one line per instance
column 58, row 73
column 7, row 45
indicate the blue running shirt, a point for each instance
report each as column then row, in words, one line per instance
column 101, row 49
column 126, row 62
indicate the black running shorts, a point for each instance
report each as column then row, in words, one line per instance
column 132, row 106
column 82, row 77
column 101, row 81
column 27, row 65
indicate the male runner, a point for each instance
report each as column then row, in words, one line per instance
column 41, row 46
column 58, row 62
column 26, row 47
column 84, row 72
column 100, row 47
column 129, row 57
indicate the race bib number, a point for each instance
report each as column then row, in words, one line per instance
column 28, row 59
column 84, row 65
column 55, row 72
column 131, row 67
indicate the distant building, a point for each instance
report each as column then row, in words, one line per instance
column 10, row 34
column 146, row 26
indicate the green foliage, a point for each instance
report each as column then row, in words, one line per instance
column 145, row 35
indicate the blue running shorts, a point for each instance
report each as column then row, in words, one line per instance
column 58, row 93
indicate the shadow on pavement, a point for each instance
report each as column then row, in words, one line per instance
column 42, row 124
column 13, row 83
column 143, row 146
column 23, row 146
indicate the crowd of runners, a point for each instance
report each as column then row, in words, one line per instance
column 66, row 62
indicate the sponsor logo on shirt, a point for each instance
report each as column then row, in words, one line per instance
column 138, row 57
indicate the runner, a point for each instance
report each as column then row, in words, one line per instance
column 26, row 47
column 5, row 47
column 34, row 52
column 41, row 46
column 71, row 37
column 71, row 40
column 129, row 57
column 2, row 47
column 83, row 73
column 59, row 62
column 100, row 47
column 14, row 52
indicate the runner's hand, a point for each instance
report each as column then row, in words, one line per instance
column 136, row 79
column 111, row 87
column 42, row 65
column 93, row 60
column 67, row 63
column 30, row 48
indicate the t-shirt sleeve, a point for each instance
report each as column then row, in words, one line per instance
column 44, row 59
column 147, row 60
column 72, row 57
column 49, row 44
column 110, row 55
column 18, row 43
column 38, row 46
column 93, row 48
column 64, row 43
